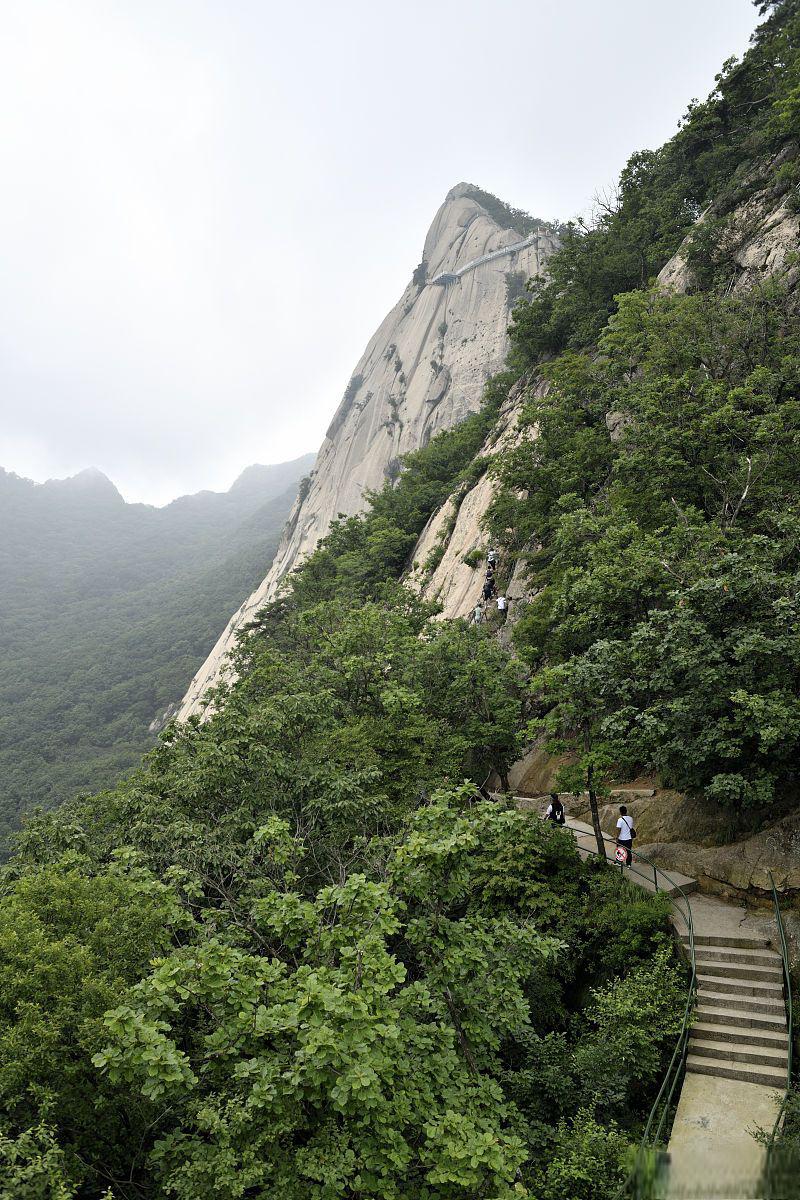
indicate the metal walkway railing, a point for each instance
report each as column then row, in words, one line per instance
column 775, row 1169
column 445, row 277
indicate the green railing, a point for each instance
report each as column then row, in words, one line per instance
column 654, row 1129
column 787, row 979
column 773, row 1168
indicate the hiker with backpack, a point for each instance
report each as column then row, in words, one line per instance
column 625, row 834
column 555, row 810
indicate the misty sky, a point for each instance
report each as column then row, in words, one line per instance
column 208, row 205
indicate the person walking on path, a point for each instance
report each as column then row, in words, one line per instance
column 488, row 589
column 502, row 603
column 625, row 833
column 555, row 810
column 477, row 614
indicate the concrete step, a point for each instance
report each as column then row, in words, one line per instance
column 752, row 958
column 739, row 1052
column 735, row 1032
column 751, row 1004
column 744, row 943
column 740, row 987
column 733, row 970
column 712, row 1014
column 748, row 1073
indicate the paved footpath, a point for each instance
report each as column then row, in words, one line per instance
column 736, row 1063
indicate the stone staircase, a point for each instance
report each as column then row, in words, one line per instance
column 738, row 1051
column 739, row 1031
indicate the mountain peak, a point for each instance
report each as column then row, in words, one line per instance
column 504, row 215
column 423, row 370
column 274, row 476
column 88, row 475
column 90, row 479
column 460, row 190
column 89, row 482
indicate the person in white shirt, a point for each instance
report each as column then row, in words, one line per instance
column 625, row 832
column 502, row 603
column 555, row 810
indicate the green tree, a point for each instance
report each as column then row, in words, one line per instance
column 71, row 941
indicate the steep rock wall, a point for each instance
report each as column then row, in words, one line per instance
column 762, row 234
column 456, row 531
column 422, row 371
column 760, row 238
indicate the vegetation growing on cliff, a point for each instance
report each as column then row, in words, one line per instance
column 740, row 140
column 361, row 554
column 668, row 559
column 657, row 504
column 506, row 216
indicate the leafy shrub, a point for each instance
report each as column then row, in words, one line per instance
column 34, row 1167
column 587, row 1161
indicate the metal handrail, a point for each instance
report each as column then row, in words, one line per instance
column 678, row 1059
column 786, row 976
column 787, row 981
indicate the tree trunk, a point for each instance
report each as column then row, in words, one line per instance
column 598, row 833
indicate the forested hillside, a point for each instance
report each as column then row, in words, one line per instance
column 106, row 608
column 659, row 520
column 298, row 953
column 298, row 957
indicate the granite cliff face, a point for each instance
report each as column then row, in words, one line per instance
column 762, row 236
column 422, row 371
column 456, row 531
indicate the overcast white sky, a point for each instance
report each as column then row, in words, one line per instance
column 208, row 205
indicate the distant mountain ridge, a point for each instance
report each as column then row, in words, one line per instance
column 258, row 478
column 107, row 608
column 89, row 481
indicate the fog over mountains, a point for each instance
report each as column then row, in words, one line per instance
column 106, row 610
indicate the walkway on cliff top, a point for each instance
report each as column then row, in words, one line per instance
column 451, row 276
column 737, row 1059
